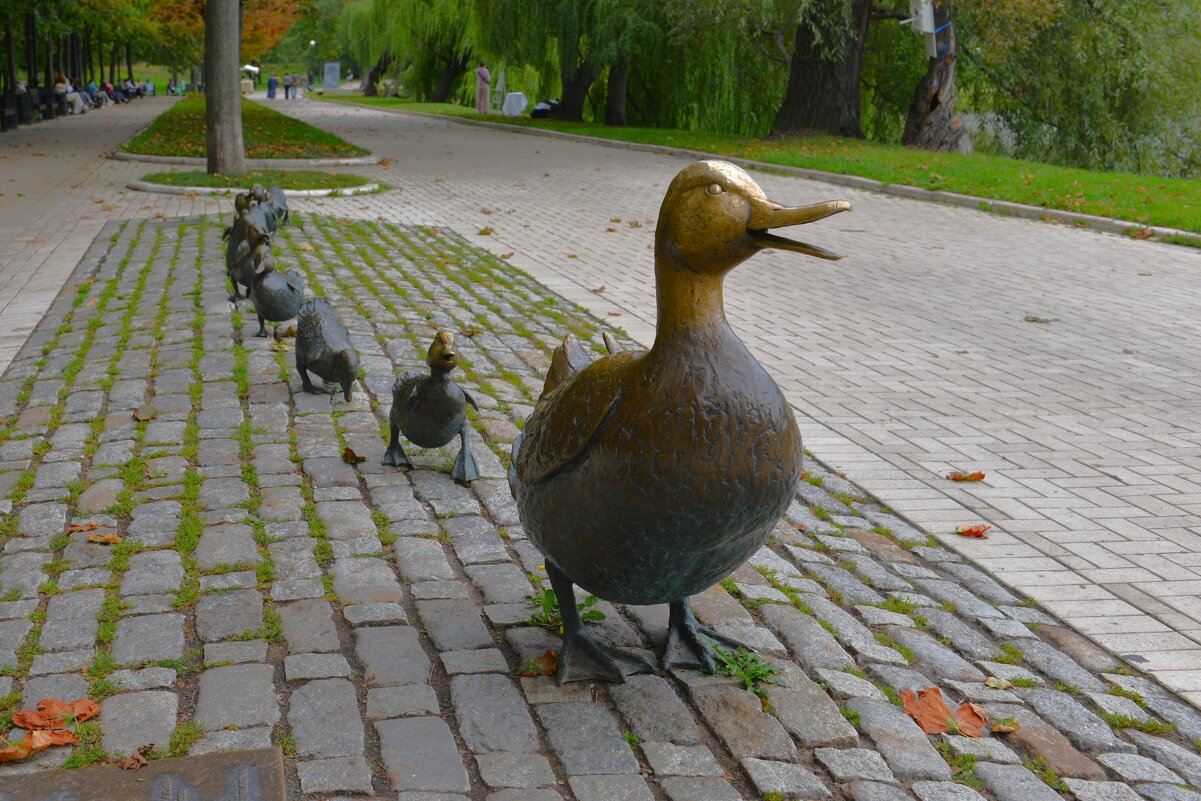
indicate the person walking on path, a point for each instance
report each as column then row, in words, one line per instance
column 272, row 85
column 294, row 79
column 483, row 88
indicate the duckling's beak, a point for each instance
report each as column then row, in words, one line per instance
column 766, row 215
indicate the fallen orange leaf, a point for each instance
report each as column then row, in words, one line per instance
column 957, row 476
column 350, row 457
column 487, row 231
column 34, row 742
column 142, row 414
column 932, row 714
column 611, row 230
column 994, row 683
column 508, row 255
column 976, row 531
column 71, row 529
column 105, row 538
column 800, row 527
column 545, row 665
column 599, row 289
column 1005, row 726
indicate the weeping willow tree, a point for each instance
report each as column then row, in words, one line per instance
column 428, row 43
column 1101, row 84
column 716, row 70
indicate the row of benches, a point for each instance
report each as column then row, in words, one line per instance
column 34, row 105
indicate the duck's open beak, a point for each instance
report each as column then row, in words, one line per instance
column 766, row 215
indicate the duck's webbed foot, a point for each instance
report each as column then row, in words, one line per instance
column 395, row 455
column 598, row 663
column 683, row 628
column 262, row 332
column 307, row 384
column 464, row 468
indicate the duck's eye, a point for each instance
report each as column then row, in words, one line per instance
column 714, row 189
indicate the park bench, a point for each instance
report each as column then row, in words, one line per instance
column 8, row 112
column 45, row 102
column 60, row 104
column 25, row 108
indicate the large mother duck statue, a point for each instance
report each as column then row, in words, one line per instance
column 647, row 476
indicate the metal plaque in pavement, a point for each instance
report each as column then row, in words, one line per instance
column 237, row 776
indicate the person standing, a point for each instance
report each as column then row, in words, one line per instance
column 272, row 85
column 294, row 79
column 483, row 88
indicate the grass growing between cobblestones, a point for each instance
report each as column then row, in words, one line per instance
column 1147, row 200
column 180, row 131
column 285, row 179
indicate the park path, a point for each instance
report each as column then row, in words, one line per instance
column 910, row 357
column 1061, row 362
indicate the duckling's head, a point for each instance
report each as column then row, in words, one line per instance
column 442, row 356
column 715, row 216
column 242, row 202
column 258, row 193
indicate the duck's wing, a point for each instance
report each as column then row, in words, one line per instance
column 566, row 422
column 611, row 343
column 295, row 280
column 471, row 400
column 404, row 388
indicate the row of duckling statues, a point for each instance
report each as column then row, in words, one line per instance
column 429, row 409
column 643, row 477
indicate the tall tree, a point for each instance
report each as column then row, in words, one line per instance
column 932, row 123
column 226, row 154
column 823, row 91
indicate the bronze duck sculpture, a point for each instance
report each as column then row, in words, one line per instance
column 431, row 410
column 277, row 296
column 647, row 476
column 323, row 345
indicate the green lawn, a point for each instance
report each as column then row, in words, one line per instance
column 1149, row 200
column 296, row 179
column 180, row 131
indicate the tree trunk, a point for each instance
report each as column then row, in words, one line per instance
column 129, row 61
column 932, row 123
column 112, row 66
column 455, row 64
column 31, row 49
column 224, row 98
column 49, row 61
column 368, row 85
column 615, row 99
column 823, row 92
column 575, row 93
column 10, row 60
column 99, row 57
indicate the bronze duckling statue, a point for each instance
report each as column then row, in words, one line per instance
column 431, row 410
column 323, row 346
column 276, row 296
column 647, row 476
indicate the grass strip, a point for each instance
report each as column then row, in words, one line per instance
column 181, row 131
column 1143, row 199
column 298, row 179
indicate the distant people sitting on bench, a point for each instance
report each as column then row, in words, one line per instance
column 131, row 90
column 544, row 109
column 97, row 97
column 63, row 87
column 113, row 93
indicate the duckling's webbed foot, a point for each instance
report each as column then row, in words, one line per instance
column 684, row 630
column 596, row 663
column 464, row 468
column 307, row 384
column 262, row 332
column 395, row 455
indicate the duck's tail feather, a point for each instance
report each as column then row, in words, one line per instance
column 567, row 360
column 612, row 344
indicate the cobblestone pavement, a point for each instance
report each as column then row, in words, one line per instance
column 372, row 622
column 1060, row 362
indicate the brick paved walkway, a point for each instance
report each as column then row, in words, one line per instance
column 374, row 623
column 911, row 357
